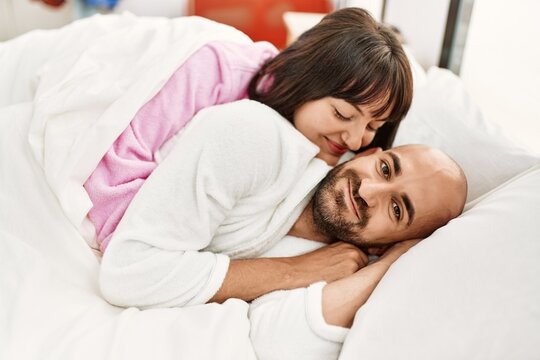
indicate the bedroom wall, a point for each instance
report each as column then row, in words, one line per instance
column 423, row 23
column 20, row 16
column 500, row 66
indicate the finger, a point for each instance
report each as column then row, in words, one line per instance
column 364, row 259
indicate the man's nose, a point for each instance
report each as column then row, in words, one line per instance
column 372, row 191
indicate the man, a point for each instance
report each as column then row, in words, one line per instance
column 239, row 179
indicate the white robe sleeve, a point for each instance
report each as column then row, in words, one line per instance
column 154, row 258
column 289, row 324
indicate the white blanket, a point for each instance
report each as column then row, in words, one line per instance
column 54, row 128
column 86, row 93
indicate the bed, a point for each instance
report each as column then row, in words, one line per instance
column 470, row 290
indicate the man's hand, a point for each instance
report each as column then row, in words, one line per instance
column 329, row 263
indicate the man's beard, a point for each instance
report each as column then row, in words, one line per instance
column 329, row 207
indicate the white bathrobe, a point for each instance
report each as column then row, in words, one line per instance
column 233, row 185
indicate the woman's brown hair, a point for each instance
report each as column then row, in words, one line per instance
column 349, row 56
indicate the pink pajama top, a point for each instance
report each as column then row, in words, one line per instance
column 217, row 73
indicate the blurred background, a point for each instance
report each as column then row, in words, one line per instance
column 493, row 45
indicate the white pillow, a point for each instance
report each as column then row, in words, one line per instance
column 443, row 115
column 469, row 291
column 418, row 73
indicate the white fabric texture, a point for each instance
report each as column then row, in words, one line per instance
column 304, row 333
column 51, row 308
column 79, row 113
column 50, row 305
column 290, row 324
column 471, row 290
column 157, row 257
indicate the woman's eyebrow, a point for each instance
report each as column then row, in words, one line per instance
column 359, row 109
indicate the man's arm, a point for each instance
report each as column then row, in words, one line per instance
column 312, row 322
column 342, row 298
column 251, row 278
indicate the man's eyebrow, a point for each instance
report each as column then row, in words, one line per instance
column 397, row 163
column 404, row 197
column 409, row 207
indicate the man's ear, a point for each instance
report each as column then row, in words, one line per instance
column 368, row 152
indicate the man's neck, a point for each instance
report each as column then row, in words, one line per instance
column 305, row 228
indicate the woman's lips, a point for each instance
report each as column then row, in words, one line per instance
column 351, row 200
column 335, row 148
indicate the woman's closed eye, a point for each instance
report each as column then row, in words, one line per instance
column 340, row 116
column 379, row 123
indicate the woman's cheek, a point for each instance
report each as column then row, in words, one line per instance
column 368, row 138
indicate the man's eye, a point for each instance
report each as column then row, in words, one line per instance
column 396, row 209
column 385, row 169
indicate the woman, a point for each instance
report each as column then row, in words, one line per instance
column 345, row 84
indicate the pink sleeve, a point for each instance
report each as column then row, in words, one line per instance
column 215, row 74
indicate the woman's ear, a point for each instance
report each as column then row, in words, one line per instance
column 368, row 152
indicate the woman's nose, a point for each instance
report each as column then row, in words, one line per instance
column 353, row 136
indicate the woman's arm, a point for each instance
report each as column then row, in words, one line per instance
column 342, row 298
column 217, row 73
